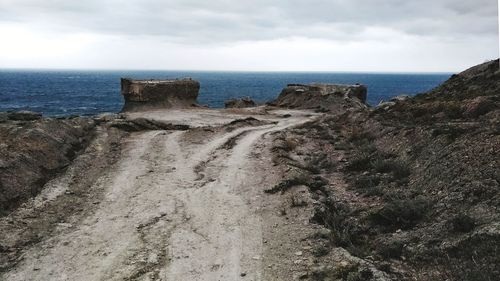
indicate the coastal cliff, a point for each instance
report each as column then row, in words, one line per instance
column 413, row 186
column 316, row 185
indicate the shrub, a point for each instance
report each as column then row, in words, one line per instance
column 360, row 135
column 368, row 185
column 401, row 213
column 374, row 191
column 320, row 250
column 398, row 169
column 366, row 182
column 360, row 163
column 313, row 183
column 462, row 223
column 289, row 144
column 318, row 183
column 391, row 249
column 287, row 184
column 317, row 162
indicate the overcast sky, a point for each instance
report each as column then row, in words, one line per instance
column 267, row 35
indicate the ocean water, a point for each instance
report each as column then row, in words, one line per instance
column 62, row 93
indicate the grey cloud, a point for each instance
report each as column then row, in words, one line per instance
column 223, row 21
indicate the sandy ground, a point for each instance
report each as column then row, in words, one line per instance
column 177, row 205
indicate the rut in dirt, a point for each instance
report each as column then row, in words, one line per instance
column 174, row 209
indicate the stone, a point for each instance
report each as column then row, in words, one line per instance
column 24, row 115
column 400, row 98
column 385, row 104
column 142, row 95
column 243, row 102
column 479, row 106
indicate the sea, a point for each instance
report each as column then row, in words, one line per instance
column 67, row 93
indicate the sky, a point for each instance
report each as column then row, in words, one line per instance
column 256, row 35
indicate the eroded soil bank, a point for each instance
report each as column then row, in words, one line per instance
column 186, row 202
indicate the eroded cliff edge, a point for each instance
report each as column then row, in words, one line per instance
column 411, row 186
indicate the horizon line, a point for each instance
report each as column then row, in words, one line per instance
column 229, row 71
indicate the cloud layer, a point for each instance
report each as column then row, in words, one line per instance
column 462, row 27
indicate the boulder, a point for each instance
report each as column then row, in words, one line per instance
column 24, row 115
column 157, row 94
column 322, row 96
column 240, row 103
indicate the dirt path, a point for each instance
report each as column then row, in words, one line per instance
column 175, row 207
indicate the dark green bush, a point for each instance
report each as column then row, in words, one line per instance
column 366, row 181
column 399, row 213
column 462, row 223
column 361, row 162
column 392, row 249
column 398, row 168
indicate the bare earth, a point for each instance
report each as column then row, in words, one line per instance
column 177, row 205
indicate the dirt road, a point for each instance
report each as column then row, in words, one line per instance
column 178, row 205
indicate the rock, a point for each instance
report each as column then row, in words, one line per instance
column 479, row 106
column 159, row 94
column 143, row 124
column 400, row 98
column 107, row 117
column 24, row 115
column 3, row 117
column 385, row 104
column 325, row 97
column 481, row 80
column 243, row 102
column 32, row 153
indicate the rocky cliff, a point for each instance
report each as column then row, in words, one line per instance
column 322, row 96
column 158, row 94
column 414, row 187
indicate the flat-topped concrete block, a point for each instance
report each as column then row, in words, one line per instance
column 157, row 94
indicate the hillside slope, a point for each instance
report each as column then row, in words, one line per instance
column 413, row 187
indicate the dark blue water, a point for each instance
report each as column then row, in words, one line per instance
column 90, row 92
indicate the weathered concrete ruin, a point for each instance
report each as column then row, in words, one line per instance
column 157, row 94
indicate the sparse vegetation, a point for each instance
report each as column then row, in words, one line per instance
column 398, row 168
column 399, row 213
column 361, row 162
column 288, row 183
column 320, row 250
column 423, row 188
column 391, row 249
